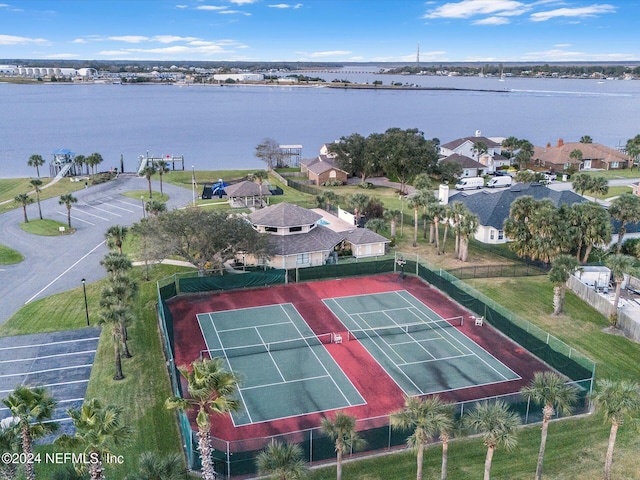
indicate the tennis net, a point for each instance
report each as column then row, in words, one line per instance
column 404, row 329
column 244, row 350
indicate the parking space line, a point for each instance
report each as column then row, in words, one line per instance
column 65, row 272
column 92, row 214
column 102, row 210
column 76, row 218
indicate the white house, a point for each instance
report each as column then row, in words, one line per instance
column 492, row 159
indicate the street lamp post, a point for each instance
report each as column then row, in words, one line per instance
column 144, row 215
column 193, row 184
column 86, row 305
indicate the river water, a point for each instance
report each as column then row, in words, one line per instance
column 218, row 127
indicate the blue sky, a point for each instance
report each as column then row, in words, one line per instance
column 321, row 30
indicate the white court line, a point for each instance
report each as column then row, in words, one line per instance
column 102, row 210
column 76, row 218
column 45, row 370
column 67, row 270
column 15, row 360
column 50, row 343
column 270, row 356
column 90, row 214
column 286, row 382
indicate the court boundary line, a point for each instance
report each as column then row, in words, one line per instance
column 16, row 360
column 45, row 370
column 50, row 343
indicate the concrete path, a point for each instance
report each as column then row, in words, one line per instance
column 57, row 264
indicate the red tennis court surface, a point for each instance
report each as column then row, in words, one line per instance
column 379, row 391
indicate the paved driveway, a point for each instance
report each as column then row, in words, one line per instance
column 56, row 264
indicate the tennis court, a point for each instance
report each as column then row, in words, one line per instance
column 276, row 356
column 422, row 352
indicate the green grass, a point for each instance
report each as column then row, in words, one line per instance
column 617, row 191
column 140, row 194
column 146, row 386
column 11, row 187
column 46, row 227
column 9, row 256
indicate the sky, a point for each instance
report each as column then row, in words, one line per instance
column 321, row 30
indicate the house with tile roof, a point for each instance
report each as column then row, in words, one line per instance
column 323, row 168
column 491, row 160
column 492, row 208
column 557, row 158
column 304, row 238
column 246, row 194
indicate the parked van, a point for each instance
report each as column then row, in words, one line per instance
column 501, row 181
column 470, row 182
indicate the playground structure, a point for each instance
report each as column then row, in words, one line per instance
column 216, row 189
column 151, row 161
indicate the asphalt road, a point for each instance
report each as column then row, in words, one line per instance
column 57, row 264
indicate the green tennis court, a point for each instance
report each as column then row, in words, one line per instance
column 422, row 352
column 277, row 357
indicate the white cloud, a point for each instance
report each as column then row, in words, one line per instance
column 114, row 53
column 79, row 40
column 172, row 39
column 562, row 45
column 15, row 40
column 234, row 12
column 285, row 5
column 470, row 8
column 492, row 21
column 243, row 2
column 581, row 12
column 63, row 55
column 211, row 7
column 558, row 55
column 332, row 53
column 181, row 6
column 130, row 38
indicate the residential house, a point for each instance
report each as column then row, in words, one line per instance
column 304, row 238
column 470, row 168
column 557, row 158
column 323, row 168
column 491, row 160
column 492, row 208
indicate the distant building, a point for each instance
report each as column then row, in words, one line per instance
column 56, row 72
column 239, row 77
column 594, row 156
column 323, row 168
column 490, row 160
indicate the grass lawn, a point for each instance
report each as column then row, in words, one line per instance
column 11, row 187
column 9, row 256
column 617, row 191
column 139, row 194
column 46, row 227
column 146, row 386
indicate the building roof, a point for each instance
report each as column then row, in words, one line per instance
column 284, row 215
column 452, row 145
column 320, row 239
column 246, row 189
column 364, row 236
column 559, row 154
column 492, row 209
column 463, row 161
column 321, row 164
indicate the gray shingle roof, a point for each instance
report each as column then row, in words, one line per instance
column 320, row 239
column 493, row 208
column 463, row 161
column 284, row 215
column 364, row 236
column 246, row 189
column 456, row 143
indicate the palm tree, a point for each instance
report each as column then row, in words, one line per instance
column 358, row 202
column 162, row 167
column 148, row 172
column 425, row 418
column 94, row 160
column 392, row 217
column 282, row 461
column 376, row 224
column 582, row 183
column 36, row 182
column 561, row 269
column 79, row 160
column 615, row 401
column 510, row 144
column 633, row 150
column 525, row 152
column 116, row 263
column 415, row 202
column 447, row 217
column 32, row 408
column 497, row 425
column 36, row 161
column 260, row 176
column 115, row 236
column 153, row 466
column 99, row 428
column 469, row 224
column 598, row 186
column 67, row 200
column 625, row 209
column 586, row 139
column 342, row 431
column 212, row 391
column 117, row 299
column 619, row 266
column 113, row 315
column 9, row 443
column 24, row 200
column 155, row 207
column 554, row 394
column 576, row 154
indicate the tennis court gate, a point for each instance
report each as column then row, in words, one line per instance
column 235, row 458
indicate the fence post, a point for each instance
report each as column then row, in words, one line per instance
column 526, row 416
column 228, row 461
column 310, row 445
